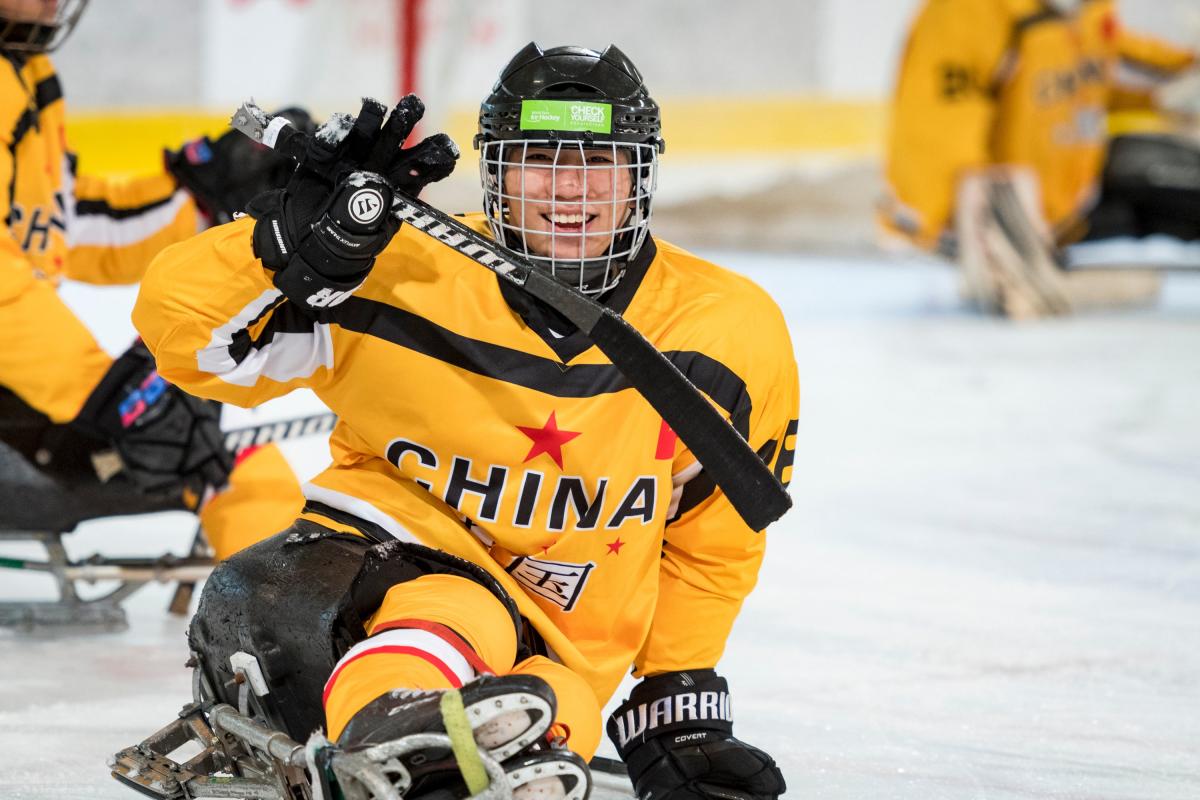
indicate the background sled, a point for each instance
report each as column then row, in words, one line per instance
column 103, row 613
column 36, row 508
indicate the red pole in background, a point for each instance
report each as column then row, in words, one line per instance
column 408, row 42
column 408, row 45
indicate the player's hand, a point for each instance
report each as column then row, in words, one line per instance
column 322, row 232
column 168, row 443
column 411, row 169
column 675, row 734
column 222, row 175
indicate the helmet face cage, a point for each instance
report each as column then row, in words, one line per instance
column 609, row 185
column 31, row 34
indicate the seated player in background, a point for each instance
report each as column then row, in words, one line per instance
column 111, row 434
column 1019, row 92
column 544, row 525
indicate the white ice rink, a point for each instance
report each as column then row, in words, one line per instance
column 989, row 587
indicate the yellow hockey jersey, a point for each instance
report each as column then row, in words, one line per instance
column 60, row 224
column 473, row 428
column 987, row 82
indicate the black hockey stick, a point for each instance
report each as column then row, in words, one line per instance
column 746, row 480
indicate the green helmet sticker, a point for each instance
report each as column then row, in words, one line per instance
column 566, row 115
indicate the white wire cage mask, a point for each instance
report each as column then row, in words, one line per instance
column 23, row 30
column 535, row 191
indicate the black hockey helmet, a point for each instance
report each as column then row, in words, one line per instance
column 571, row 74
column 573, row 100
column 39, row 31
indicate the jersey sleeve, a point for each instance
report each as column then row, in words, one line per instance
column 115, row 226
column 710, row 557
column 942, row 112
column 220, row 329
column 1148, row 52
column 49, row 359
column 1145, row 62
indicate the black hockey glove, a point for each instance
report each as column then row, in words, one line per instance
column 167, row 443
column 222, row 175
column 322, row 232
column 675, row 734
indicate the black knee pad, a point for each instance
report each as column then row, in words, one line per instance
column 297, row 602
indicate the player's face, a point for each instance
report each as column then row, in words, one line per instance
column 43, row 11
column 573, row 199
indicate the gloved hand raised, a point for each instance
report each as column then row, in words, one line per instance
column 675, row 734
column 322, row 232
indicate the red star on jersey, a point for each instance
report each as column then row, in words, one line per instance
column 615, row 547
column 548, row 439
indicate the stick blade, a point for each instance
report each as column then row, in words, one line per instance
column 746, row 480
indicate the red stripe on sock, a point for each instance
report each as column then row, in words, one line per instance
column 393, row 650
column 447, row 634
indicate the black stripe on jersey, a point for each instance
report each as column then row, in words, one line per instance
column 413, row 332
column 27, row 121
column 240, row 344
column 101, row 207
column 1008, row 61
column 22, row 127
column 1037, row 18
column 47, row 91
column 1029, row 21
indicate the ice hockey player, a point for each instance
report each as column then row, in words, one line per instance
column 552, row 531
column 111, row 434
column 1018, row 92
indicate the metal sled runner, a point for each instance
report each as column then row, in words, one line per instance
column 213, row 750
column 104, row 612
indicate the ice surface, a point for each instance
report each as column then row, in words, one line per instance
column 989, row 587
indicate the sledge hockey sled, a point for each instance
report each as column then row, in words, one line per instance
column 73, row 611
column 212, row 749
column 40, row 506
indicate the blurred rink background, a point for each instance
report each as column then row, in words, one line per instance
column 990, row 584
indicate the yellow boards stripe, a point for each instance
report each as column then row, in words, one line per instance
column 132, row 142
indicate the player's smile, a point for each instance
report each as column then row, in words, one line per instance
column 569, row 222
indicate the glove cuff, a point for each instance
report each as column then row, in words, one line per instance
column 693, row 701
column 271, row 241
column 100, row 415
column 312, row 291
